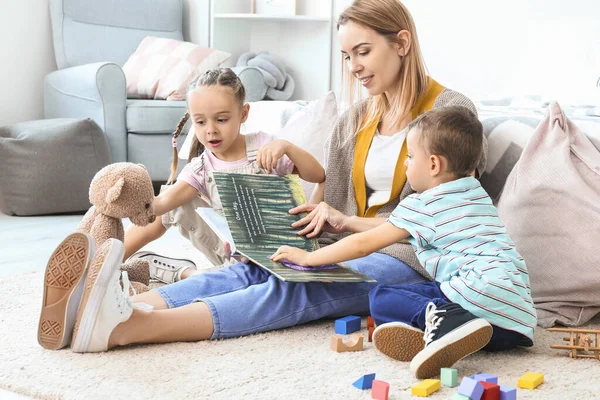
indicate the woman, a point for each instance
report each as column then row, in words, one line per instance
column 365, row 179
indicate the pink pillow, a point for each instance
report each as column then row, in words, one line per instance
column 162, row 68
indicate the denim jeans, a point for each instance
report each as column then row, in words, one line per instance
column 246, row 299
column 407, row 303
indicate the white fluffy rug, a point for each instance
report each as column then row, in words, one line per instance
column 289, row 364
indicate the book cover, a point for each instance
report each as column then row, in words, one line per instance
column 256, row 208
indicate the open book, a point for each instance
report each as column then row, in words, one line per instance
column 257, row 223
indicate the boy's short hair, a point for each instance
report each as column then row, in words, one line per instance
column 455, row 133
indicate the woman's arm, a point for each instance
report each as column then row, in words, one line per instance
column 349, row 248
column 177, row 195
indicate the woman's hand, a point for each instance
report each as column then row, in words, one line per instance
column 269, row 154
column 321, row 218
column 292, row 254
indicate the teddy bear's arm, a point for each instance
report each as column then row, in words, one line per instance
column 85, row 226
column 105, row 227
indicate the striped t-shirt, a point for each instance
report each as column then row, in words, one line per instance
column 462, row 243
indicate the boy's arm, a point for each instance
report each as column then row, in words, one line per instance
column 177, row 195
column 306, row 165
column 351, row 247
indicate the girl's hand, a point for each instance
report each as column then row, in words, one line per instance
column 227, row 251
column 292, row 254
column 321, row 217
column 269, row 154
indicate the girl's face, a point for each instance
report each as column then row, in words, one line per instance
column 371, row 58
column 217, row 116
column 417, row 163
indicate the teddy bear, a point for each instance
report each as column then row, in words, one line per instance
column 121, row 190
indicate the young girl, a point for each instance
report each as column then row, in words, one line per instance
column 481, row 295
column 217, row 109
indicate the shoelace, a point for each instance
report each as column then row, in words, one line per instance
column 432, row 321
column 126, row 300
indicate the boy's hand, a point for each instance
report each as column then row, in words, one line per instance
column 270, row 153
column 292, row 254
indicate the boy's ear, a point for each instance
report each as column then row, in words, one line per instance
column 435, row 165
column 245, row 112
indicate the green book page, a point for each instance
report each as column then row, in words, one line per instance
column 257, row 211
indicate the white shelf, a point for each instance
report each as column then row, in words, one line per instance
column 261, row 17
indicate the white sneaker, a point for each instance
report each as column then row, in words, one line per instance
column 165, row 269
column 105, row 304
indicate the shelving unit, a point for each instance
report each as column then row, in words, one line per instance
column 302, row 41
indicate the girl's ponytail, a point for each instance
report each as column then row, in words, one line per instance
column 175, row 155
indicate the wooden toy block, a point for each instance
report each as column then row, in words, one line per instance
column 347, row 325
column 491, row 391
column 370, row 322
column 381, row 390
column 354, row 344
column 486, row 378
column 449, row 377
column 530, row 380
column 371, row 330
column 364, row 382
column 471, row 388
column 458, row 396
column 508, row 393
column 426, row 387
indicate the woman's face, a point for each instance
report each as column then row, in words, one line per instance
column 370, row 57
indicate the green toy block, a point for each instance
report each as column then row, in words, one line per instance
column 458, row 396
column 449, row 377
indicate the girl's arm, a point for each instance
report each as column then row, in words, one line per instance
column 305, row 164
column 351, row 247
column 177, row 195
column 318, row 194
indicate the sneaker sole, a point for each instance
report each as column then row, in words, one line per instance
column 103, row 268
column 451, row 348
column 63, row 286
column 398, row 341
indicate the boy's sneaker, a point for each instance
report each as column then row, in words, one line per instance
column 63, row 285
column 451, row 333
column 105, row 303
column 398, row 340
column 165, row 269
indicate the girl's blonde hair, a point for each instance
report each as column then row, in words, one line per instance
column 219, row 76
column 386, row 17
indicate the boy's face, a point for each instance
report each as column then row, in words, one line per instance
column 418, row 163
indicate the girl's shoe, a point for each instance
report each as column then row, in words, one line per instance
column 164, row 269
column 105, row 303
column 398, row 340
column 451, row 333
column 63, row 286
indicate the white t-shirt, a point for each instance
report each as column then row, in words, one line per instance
column 380, row 166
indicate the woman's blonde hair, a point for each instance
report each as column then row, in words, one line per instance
column 386, row 17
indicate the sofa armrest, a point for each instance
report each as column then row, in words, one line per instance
column 97, row 91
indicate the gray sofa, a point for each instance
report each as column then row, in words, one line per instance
column 92, row 41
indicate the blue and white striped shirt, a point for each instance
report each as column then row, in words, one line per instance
column 462, row 243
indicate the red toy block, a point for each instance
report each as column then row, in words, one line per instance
column 371, row 330
column 491, row 391
column 370, row 322
column 380, row 390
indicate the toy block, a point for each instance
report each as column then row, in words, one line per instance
column 530, row 380
column 371, row 330
column 381, row 390
column 426, row 387
column 347, row 324
column 486, row 378
column 370, row 322
column 471, row 388
column 491, row 391
column 508, row 393
column 458, row 396
column 449, row 377
column 354, row 344
column 364, row 382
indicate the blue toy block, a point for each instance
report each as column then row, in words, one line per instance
column 348, row 324
column 486, row 378
column 449, row 377
column 508, row 393
column 471, row 388
column 364, row 382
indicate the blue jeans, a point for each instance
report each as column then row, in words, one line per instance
column 407, row 303
column 245, row 299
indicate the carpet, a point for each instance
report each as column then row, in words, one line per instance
column 295, row 363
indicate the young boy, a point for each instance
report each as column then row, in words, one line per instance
column 480, row 296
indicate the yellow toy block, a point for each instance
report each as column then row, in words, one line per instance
column 426, row 387
column 530, row 380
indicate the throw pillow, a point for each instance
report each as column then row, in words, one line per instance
column 550, row 205
column 162, row 68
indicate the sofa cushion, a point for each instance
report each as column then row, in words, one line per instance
column 550, row 205
column 154, row 117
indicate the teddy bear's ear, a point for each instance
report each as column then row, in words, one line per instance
column 115, row 191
